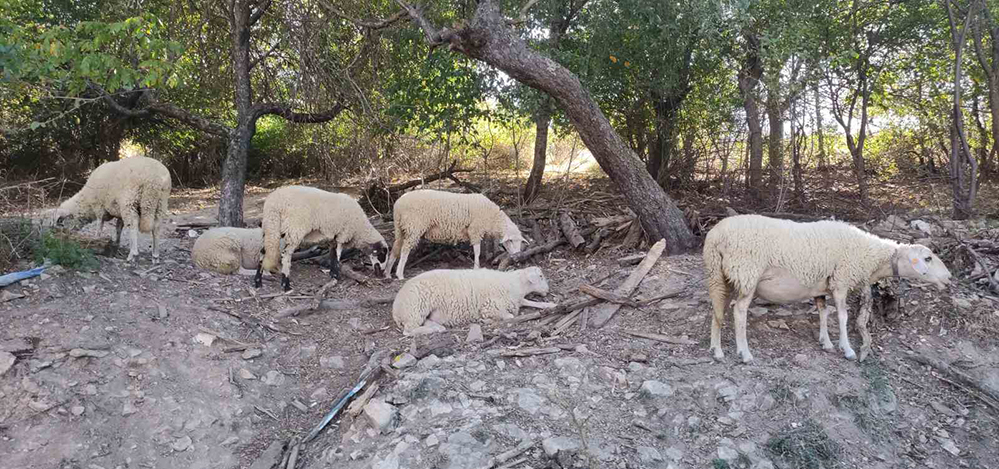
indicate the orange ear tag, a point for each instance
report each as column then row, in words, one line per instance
column 914, row 261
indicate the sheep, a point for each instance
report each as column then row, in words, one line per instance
column 133, row 191
column 784, row 261
column 229, row 250
column 457, row 297
column 451, row 218
column 299, row 214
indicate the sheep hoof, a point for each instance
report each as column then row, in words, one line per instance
column 285, row 283
column 827, row 346
column 864, row 351
column 849, row 354
column 156, row 260
column 719, row 355
column 747, row 357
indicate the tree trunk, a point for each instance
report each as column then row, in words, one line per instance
column 964, row 167
column 994, row 112
column 666, row 110
column 487, row 38
column 234, row 177
column 234, row 168
column 818, row 128
column 542, row 118
column 776, row 145
column 749, row 78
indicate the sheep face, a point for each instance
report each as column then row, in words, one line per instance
column 536, row 281
column 378, row 254
column 68, row 218
column 918, row 262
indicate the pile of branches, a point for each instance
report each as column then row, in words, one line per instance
column 380, row 196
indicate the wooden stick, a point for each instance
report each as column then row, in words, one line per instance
column 524, row 255
column 354, row 275
column 605, row 312
column 607, row 295
column 634, row 235
column 982, row 390
column 508, row 455
column 630, row 260
column 528, row 352
column 571, row 232
column 660, row 338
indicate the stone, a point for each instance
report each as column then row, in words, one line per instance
column 6, row 296
column 404, row 360
column 728, row 393
column 693, row 422
column 529, row 401
column 961, row 303
column 474, row 334
column 90, row 390
column 801, row 360
column 649, row 455
column 40, row 405
column 463, row 451
column 428, row 362
column 437, row 408
column 949, row 446
column 335, row 362
column 274, row 378
column 570, row 366
column 271, row 456
column 380, row 414
column 246, row 374
column 767, row 402
column 230, row 441
column 432, row 441
column 252, row 353
column 727, row 453
column 6, row 362
column 77, row 410
column 554, row 445
column 182, row 443
column 655, row 389
column 129, row 408
column 319, row 394
column 674, row 453
column 204, row 338
column 921, row 225
column 763, row 464
column 82, row 352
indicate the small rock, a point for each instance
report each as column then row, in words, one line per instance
column 961, row 303
column 89, row 289
column 6, row 296
column 335, row 362
column 404, row 360
column 181, row 444
column 429, row 362
column 40, row 405
column 728, row 393
column 128, row 408
column 6, row 362
column 432, row 441
column 380, row 414
column 77, row 410
column 553, row 446
column 758, row 311
column 474, row 334
column 38, row 365
column 204, row 338
column 801, row 360
column 949, row 446
column 767, row 402
column 82, row 352
column 674, row 454
column 274, row 378
column 655, row 389
column 252, row 353
column 271, row 456
column 230, row 441
column 648, row 454
column 727, row 453
column 246, row 374
column 922, row 226
column 319, row 394
column 299, row 405
column 693, row 422
column 640, row 358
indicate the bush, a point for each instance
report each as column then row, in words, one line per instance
column 17, row 237
column 66, row 252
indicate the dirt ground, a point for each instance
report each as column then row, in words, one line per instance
column 134, row 366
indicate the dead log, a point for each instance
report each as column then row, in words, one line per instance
column 314, row 251
column 354, row 275
column 634, row 235
column 607, row 295
column 571, row 231
column 605, row 312
column 381, row 197
column 526, row 254
column 630, row 260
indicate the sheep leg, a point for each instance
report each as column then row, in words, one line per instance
column 156, row 243
column 257, row 279
column 866, row 305
column 406, row 247
column 290, row 244
column 537, row 304
column 396, row 248
column 119, row 225
column 844, row 340
column 820, row 304
column 719, row 301
column 477, row 248
column 740, row 312
column 335, row 261
column 132, row 222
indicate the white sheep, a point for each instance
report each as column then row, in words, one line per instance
column 299, row 214
column 784, row 261
column 448, row 217
column 134, row 191
column 228, row 250
column 445, row 297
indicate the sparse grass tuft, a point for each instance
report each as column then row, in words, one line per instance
column 807, row 446
column 17, row 237
column 781, row 391
column 63, row 251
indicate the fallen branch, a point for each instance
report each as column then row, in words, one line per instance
column 527, row 254
column 977, row 389
column 529, row 352
column 334, row 305
column 660, row 337
column 607, row 295
column 570, row 230
column 354, row 275
column 605, row 312
column 508, row 455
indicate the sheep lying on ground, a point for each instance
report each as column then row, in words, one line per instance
column 450, row 218
column 305, row 214
column 229, row 250
column 457, row 297
column 783, row 261
column 133, row 191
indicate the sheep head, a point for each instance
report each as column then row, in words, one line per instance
column 68, row 214
column 917, row 262
column 535, row 280
column 512, row 240
column 378, row 254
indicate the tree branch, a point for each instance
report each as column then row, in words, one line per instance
column 285, row 111
column 255, row 16
column 434, row 37
column 371, row 25
column 167, row 109
column 522, row 16
column 274, row 47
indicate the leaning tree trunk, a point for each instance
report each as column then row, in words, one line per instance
column 776, row 146
column 818, row 129
column 486, row 37
column 542, row 118
column 749, row 78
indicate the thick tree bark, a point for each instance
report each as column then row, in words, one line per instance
column 543, row 117
column 234, row 168
column 749, row 78
column 964, row 167
column 486, row 37
column 666, row 107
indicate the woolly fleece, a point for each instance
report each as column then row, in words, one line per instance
column 226, row 250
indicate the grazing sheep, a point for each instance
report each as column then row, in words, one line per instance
column 456, row 297
column 448, row 217
column 229, row 250
column 784, row 262
column 134, row 191
column 299, row 214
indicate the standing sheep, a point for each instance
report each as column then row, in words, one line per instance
column 456, row 297
column 784, row 262
column 299, row 214
column 134, row 191
column 449, row 218
column 228, row 250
